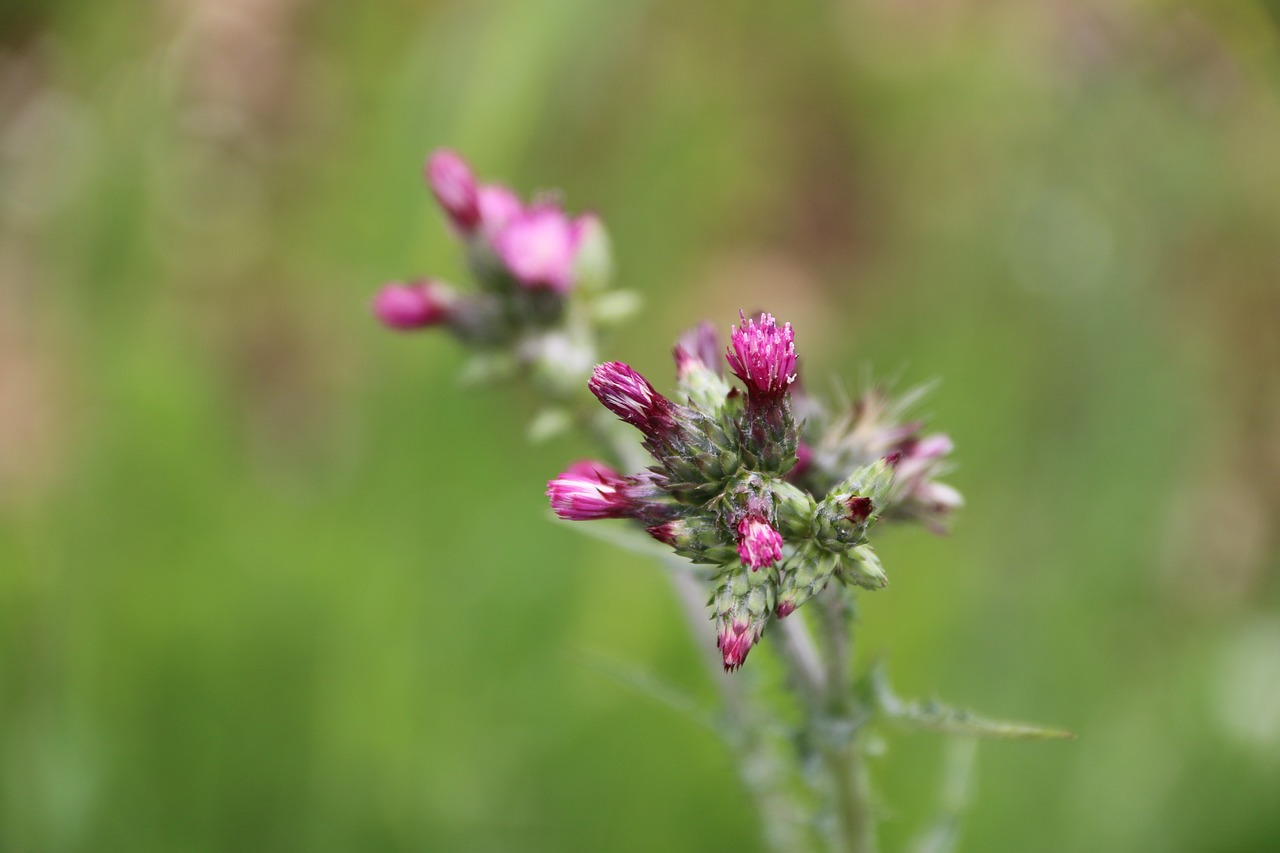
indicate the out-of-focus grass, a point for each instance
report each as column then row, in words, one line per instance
column 270, row 580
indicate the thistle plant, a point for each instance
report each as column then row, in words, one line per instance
column 761, row 499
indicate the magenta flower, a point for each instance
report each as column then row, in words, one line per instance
column 538, row 247
column 735, row 639
column 763, row 355
column 589, row 490
column 413, row 306
column 454, row 187
column 629, row 395
column 759, row 545
column 697, row 349
column 498, row 206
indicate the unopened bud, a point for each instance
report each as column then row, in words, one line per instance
column 741, row 607
column 843, row 517
column 418, row 305
column 698, row 368
column 697, row 538
column 862, row 566
column 629, row 395
column 587, row 491
column 803, row 576
column 454, row 187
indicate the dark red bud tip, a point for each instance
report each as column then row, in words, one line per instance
column 859, row 509
column 786, row 608
column 664, row 533
column 894, row 458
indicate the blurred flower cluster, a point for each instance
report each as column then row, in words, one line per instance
column 539, row 271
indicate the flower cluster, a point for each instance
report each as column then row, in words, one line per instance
column 530, row 261
column 734, row 486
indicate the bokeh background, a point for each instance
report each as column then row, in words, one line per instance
column 271, row 580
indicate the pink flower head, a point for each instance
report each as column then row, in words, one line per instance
column 917, row 456
column 697, row 350
column 763, row 355
column 589, row 490
column 498, row 206
column 454, row 187
column 938, row 497
column 413, row 306
column 629, row 395
column 759, row 545
column 735, row 640
column 538, row 247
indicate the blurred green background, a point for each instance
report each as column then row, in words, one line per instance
column 271, row 580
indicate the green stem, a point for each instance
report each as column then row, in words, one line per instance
column 841, row 751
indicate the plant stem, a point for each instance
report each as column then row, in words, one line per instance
column 841, row 751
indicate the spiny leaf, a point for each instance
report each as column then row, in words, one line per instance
column 934, row 716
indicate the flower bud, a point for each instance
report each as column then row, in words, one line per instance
column 418, row 305
column 740, row 607
column 843, row 516
column 916, row 494
column 861, row 566
column 454, row 187
column 588, row 490
column 697, row 350
column 629, row 395
column 794, row 508
column 698, row 368
column 697, row 538
column 759, row 545
column 538, row 246
column 803, row 576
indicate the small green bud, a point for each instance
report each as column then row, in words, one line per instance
column 804, row 576
column 842, row 519
column 741, row 607
column 795, row 508
column 861, row 566
column 697, row 538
